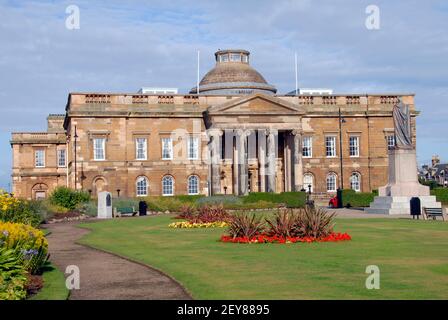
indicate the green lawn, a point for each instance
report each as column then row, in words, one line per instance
column 54, row 285
column 412, row 257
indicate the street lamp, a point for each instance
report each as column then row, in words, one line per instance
column 75, row 137
column 341, row 184
column 341, row 121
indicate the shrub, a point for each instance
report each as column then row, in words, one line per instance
column 186, row 212
column 351, row 198
column 312, row 222
column 228, row 201
column 162, row 204
column 246, row 225
column 30, row 241
column 288, row 199
column 207, row 214
column 283, row 225
column 441, row 194
column 13, row 275
column 68, row 198
column 89, row 208
column 17, row 210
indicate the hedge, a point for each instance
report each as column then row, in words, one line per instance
column 260, row 200
column 351, row 198
column 441, row 194
column 289, row 199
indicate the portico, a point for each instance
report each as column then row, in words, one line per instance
column 255, row 146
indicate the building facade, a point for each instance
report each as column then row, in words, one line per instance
column 232, row 135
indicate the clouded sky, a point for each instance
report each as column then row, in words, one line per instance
column 124, row 45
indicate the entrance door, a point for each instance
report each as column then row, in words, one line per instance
column 40, row 195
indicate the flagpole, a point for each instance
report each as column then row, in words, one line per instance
column 197, row 80
column 297, row 78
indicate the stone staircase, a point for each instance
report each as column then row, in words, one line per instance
column 320, row 199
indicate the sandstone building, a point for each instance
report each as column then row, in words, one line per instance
column 233, row 135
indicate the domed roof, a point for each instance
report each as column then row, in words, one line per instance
column 233, row 75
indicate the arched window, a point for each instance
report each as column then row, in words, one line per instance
column 331, row 182
column 167, row 186
column 308, row 180
column 193, row 185
column 355, row 181
column 142, row 186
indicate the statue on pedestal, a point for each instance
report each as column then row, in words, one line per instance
column 403, row 185
column 402, row 126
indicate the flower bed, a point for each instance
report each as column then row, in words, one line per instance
column 187, row 224
column 23, row 251
column 333, row 237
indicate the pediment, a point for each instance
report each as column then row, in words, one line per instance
column 256, row 104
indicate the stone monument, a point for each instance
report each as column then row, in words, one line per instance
column 104, row 205
column 394, row 198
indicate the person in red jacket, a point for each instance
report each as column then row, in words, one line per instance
column 333, row 202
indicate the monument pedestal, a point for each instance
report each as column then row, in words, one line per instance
column 394, row 198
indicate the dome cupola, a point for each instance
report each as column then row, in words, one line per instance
column 232, row 75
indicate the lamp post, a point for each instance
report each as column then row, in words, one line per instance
column 341, row 121
column 75, row 137
column 341, row 184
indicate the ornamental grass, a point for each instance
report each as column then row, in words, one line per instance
column 287, row 226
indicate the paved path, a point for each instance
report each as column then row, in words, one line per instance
column 359, row 213
column 104, row 275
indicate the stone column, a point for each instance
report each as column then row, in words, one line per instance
column 272, row 159
column 298, row 164
column 262, row 159
column 243, row 161
column 287, row 162
column 215, row 160
column 235, row 146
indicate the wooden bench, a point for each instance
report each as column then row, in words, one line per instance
column 125, row 211
column 434, row 213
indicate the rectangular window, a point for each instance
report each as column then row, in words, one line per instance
column 307, row 147
column 390, row 142
column 354, row 146
column 61, row 158
column 39, row 158
column 141, row 149
column 235, row 57
column 330, row 146
column 167, row 148
column 193, row 148
column 99, row 146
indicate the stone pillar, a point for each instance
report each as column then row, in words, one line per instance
column 243, row 161
column 287, row 172
column 235, row 146
column 262, row 159
column 215, row 160
column 272, row 141
column 298, row 164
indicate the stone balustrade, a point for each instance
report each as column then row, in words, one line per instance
column 193, row 99
column 38, row 137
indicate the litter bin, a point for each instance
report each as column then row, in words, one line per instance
column 415, row 205
column 339, row 196
column 142, row 207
